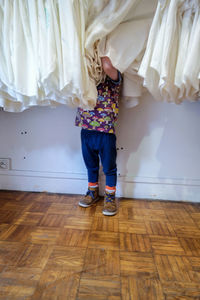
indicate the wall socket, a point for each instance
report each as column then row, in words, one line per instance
column 4, row 163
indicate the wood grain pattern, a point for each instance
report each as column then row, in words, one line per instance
column 50, row 248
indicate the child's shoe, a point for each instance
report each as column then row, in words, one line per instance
column 91, row 197
column 110, row 205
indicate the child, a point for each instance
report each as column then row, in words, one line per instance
column 98, row 139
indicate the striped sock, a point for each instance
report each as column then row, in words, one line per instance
column 93, row 184
column 110, row 189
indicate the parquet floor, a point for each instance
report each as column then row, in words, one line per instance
column 50, row 248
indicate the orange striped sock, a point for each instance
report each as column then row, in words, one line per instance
column 110, row 189
column 93, row 184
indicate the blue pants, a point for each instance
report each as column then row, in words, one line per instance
column 97, row 144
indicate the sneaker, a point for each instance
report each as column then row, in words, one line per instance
column 110, row 205
column 91, row 197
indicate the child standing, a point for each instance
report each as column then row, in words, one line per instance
column 98, row 139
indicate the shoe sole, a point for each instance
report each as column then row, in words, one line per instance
column 88, row 205
column 109, row 213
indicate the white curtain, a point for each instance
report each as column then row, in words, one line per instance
column 171, row 63
column 50, row 50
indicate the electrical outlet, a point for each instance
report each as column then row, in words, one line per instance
column 4, row 163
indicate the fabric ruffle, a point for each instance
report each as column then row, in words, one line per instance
column 171, row 63
column 50, row 50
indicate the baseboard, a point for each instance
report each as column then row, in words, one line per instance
column 129, row 187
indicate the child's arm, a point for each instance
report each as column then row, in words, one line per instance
column 108, row 68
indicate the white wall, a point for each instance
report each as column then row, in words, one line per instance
column 159, row 159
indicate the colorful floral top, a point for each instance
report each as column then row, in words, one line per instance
column 104, row 116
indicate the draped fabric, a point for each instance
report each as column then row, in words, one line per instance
column 125, row 46
column 50, row 50
column 171, row 63
column 42, row 54
column 103, row 18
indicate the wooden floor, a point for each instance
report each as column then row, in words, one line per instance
column 50, row 248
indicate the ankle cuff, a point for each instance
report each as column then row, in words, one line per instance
column 110, row 189
column 93, row 184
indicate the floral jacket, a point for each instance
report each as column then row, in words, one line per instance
column 104, row 116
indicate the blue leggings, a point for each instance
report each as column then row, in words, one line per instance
column 97, row 144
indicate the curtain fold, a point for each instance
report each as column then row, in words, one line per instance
column 171, row 63
column 50, row 50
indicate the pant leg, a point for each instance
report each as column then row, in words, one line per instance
column 90, row 154
column 108, row 155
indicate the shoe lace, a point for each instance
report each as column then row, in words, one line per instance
column 110, row 198
column 90, row 193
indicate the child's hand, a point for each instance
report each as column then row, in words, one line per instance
column 108, row 68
